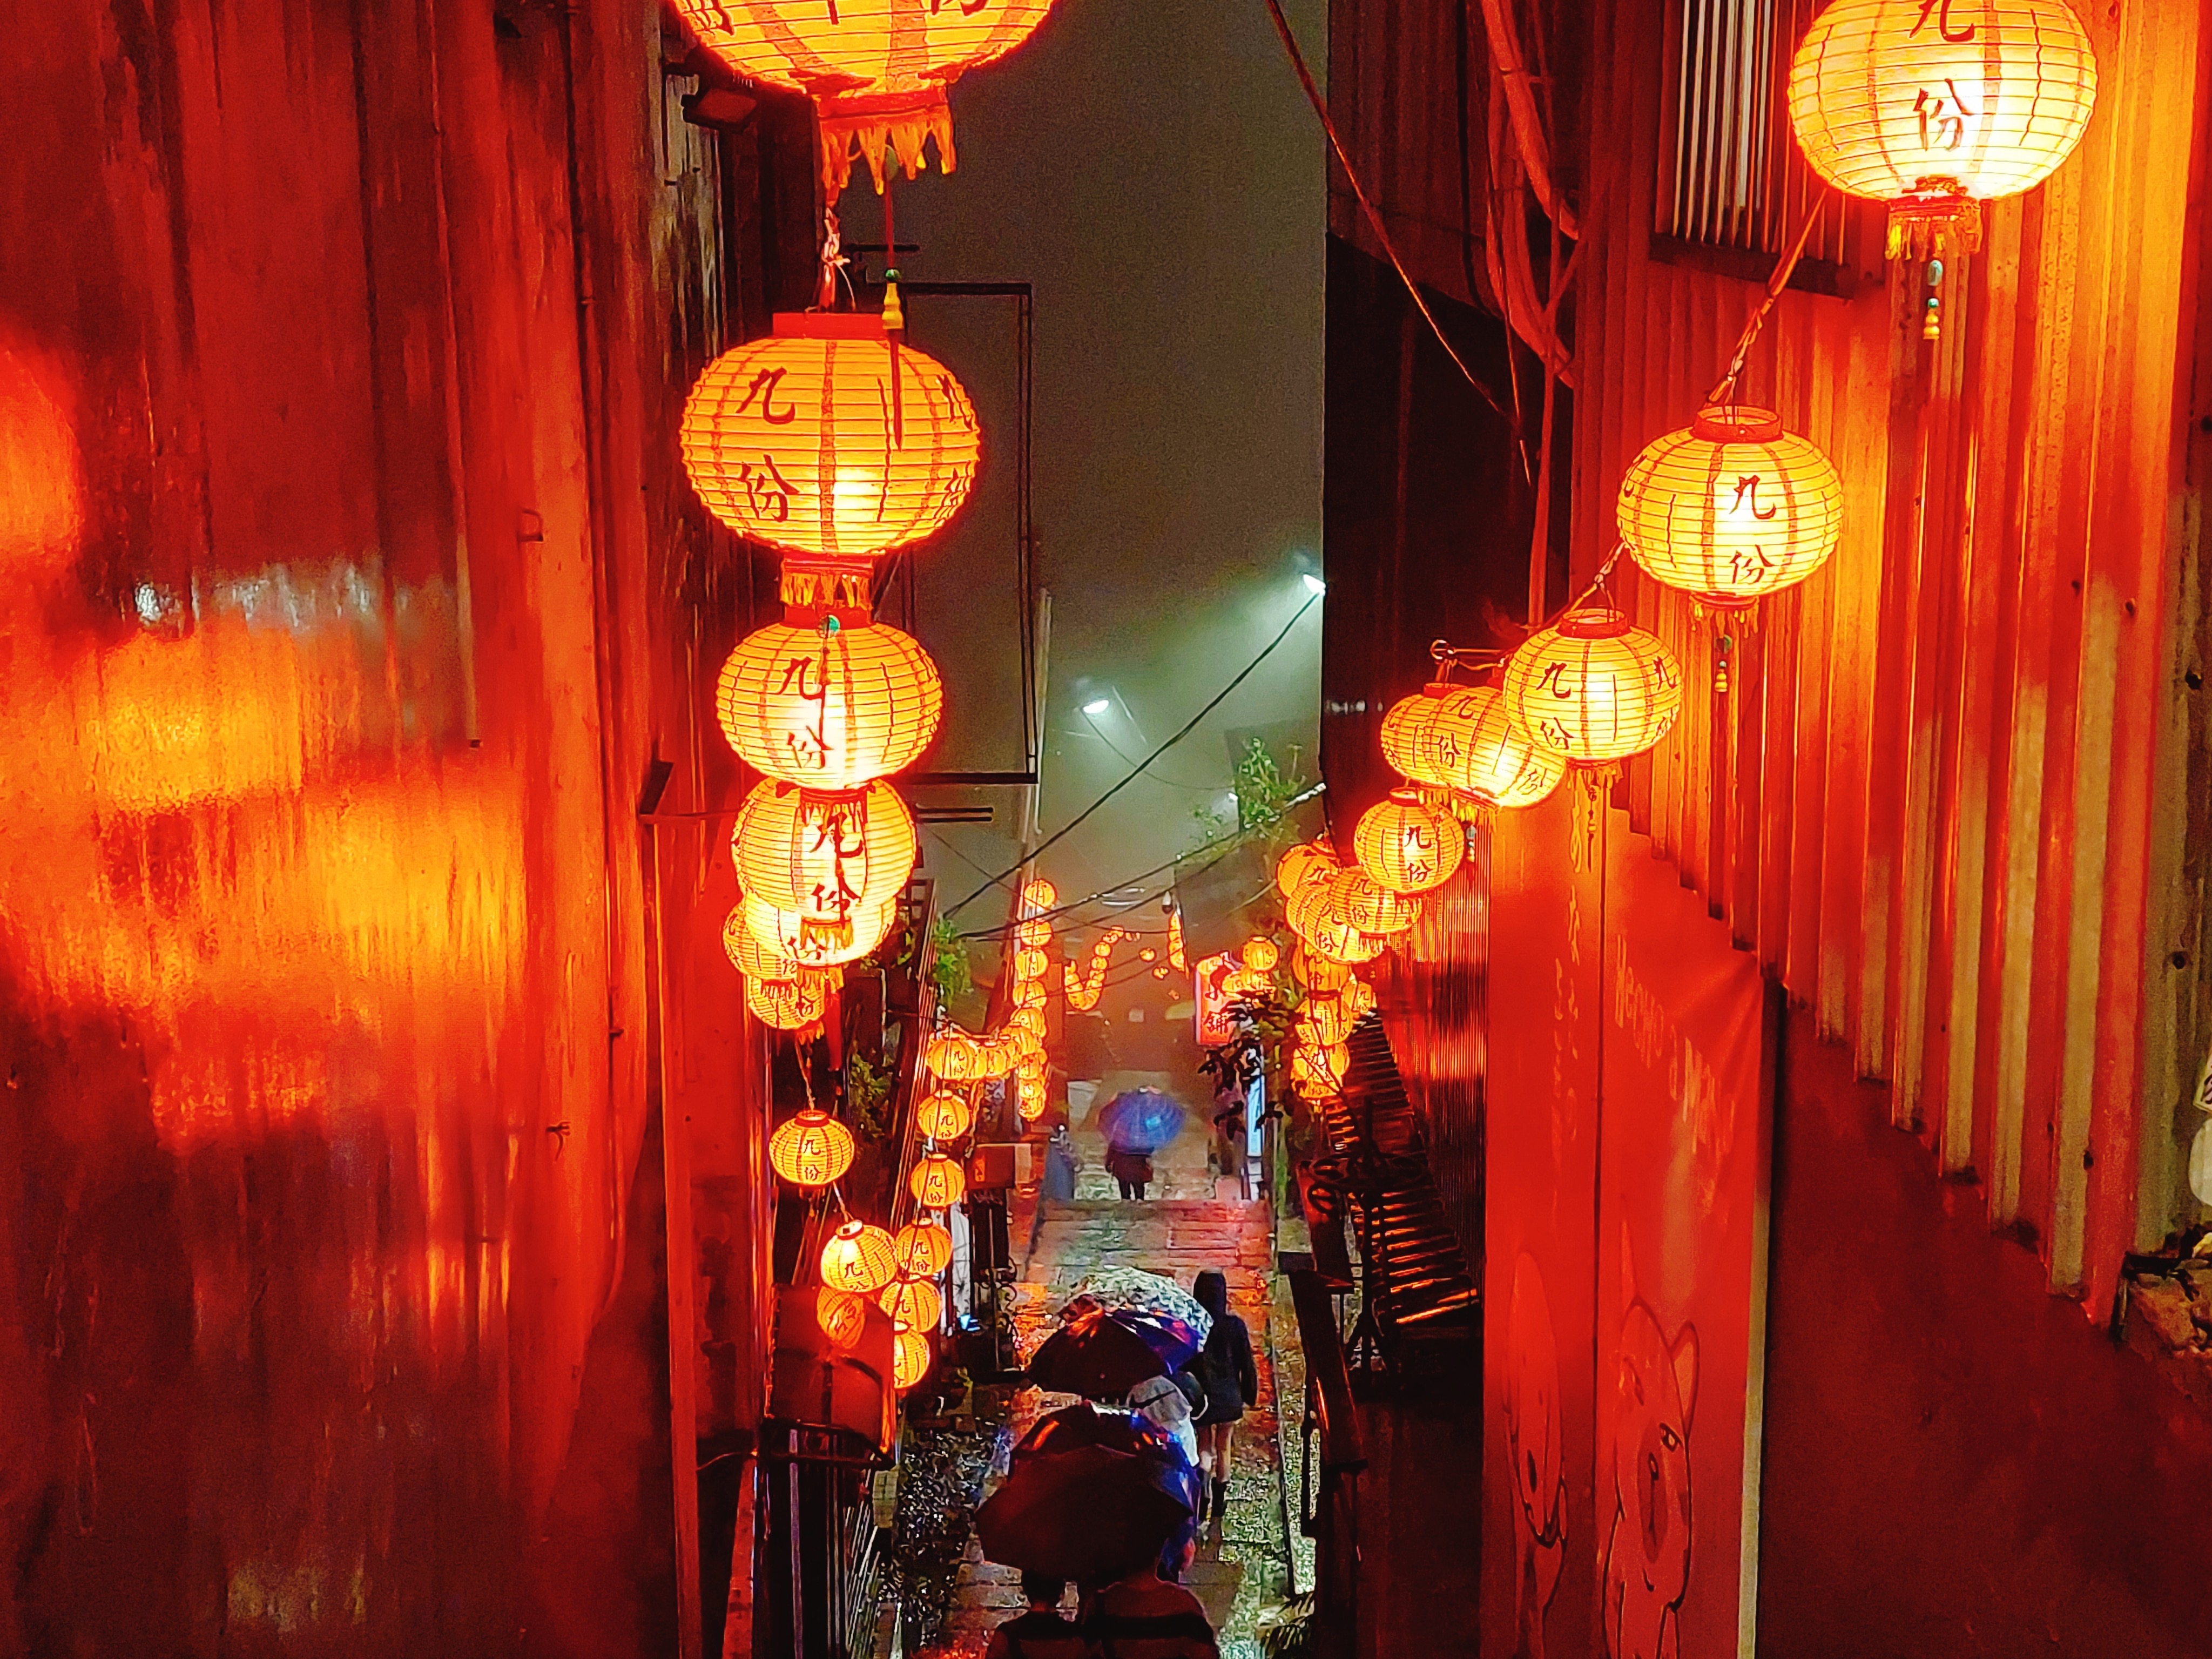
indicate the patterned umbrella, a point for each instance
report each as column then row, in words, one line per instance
column 1140, row 1121
column 1132, row 1288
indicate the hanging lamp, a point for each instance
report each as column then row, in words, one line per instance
column 936, row 1181
column 1731, row 509
column 876, row 70
column 811, row 1151
column 943, row 1116
column 1485, row 758
column 1594, row 689
column 923, row 1248
column 823, row 857
column 912, row 1302
column 859, row 1258
column 1405, row 846
column 1936, row 106
column 828, row 705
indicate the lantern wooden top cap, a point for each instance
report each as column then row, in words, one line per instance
column 1736, row 424
column 829, row 325
column 1596, row 622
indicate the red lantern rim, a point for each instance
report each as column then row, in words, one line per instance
column 831, row 325
column 1596, row 621
column 1736, row 424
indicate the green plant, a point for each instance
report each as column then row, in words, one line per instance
column 868, row 1092
column 1286, row 1631
column 949, row 968
column 1264, row 793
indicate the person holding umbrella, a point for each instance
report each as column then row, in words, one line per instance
column 1137, row 1122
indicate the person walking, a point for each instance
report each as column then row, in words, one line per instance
column 1230, row 1138
column 1041, row 1632
column 1161, row 1400
column 1232, row 1383
column 1140, row 1615
column 1131, row 1169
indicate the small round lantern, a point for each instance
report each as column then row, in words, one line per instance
column 910, row 1357
column 1594, row 688
column 1406, row 847
column 829, row 706
column 1372, row 907
column 936, row 1181
column 811, row 1151
column 1031, row 1097
column 1039, row 895
column 876, row 70
column 1031, row 1020
column 1032, row 964
column 823, row 857
column 1321, row 1063
column 953, row 1054
column 788, row 1005
column 1260, row 955
column 1732, row 508
column 923, row 1248
column 1358, row 998
column 1405, row 732
column 817, row 944
column 943, row 1116
column 1030, row 993
column 1485, row 757
column 754, row 957
column 842, row 1315
column 859, row 1258
column 1932, row 107
column 913, row 1302
column 1318, row 976
column 1325, row 1020
column 1308, row 861
column 1033, row 935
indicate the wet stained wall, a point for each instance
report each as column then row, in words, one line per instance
column 350, row 597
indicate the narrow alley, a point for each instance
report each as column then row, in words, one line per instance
column 1193, row 1220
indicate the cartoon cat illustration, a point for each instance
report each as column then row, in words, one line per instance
column 1531, row 1450
column 1646, row 1558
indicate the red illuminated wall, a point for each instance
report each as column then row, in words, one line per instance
column 1956, row 1462
column 349, row 594
column 1624, row 1252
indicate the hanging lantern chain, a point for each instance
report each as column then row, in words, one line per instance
column 1724, row 390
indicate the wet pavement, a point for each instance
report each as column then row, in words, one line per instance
column 1191, row 1221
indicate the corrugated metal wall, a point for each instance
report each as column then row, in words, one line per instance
column 1946, row 798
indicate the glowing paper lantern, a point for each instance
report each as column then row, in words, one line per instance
column 876, row 70
column 815, row 944
column 1033, row 935
column 923, row 1248
column 1032, row 1095
column 1030, row 994
column 824, row 440
column 1325, row 1020
column 1370, row 907
column 1039, row 895
column 1933, row 104
column 842, row 1315
column 754, row 957
column 936, row 1181
column 1358, row 998
column 1027, row 1019
column 1032, row 964
column 1321, row 1063
column 829, row 706
column 1485, row 757
column 1406, row 846
column 788, row 1005
column 1260, row 955
column 859, row 1258
column 1308, row 861
column 910, row 1357
column 943, row 1117
column 1405, row 732
column 954, row 1054
column 1318, row 976
column 912, row 1302
column 812, row 1150
column 1732, row 507
column 1594, row 689
column 823, row 857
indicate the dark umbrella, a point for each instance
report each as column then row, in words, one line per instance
column 1173, row 1342
column 1097, row 1356
column 1091, row 1494
column 1140, row 1121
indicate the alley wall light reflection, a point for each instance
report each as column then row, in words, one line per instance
column 1097, row 706
column 1314, row 585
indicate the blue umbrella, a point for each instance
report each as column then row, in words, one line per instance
column 1140, row 1121
column 1171, row 1341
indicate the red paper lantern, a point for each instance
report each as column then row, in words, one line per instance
column 829, row 706
column 811, row 1151
column 911, row 1358
column 788, row 1005
column 823, row 858
column 923, row 1248
column 913, row 1302
column 1486, row 758
column 859, row 1258
column 1405, row 846
column 1594, row 688
column 842, row 1315
column 828, row 441
column 943, row 1116
column 1732, row 508
column 816, row 945
column 936, row 1181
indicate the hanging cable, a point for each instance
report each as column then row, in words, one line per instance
column 1374, row 216
column 1190, row 726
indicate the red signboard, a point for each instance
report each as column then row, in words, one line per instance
column 1210, row 979
column 1627, row 1114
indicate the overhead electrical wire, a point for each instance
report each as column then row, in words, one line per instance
column 1190, row 726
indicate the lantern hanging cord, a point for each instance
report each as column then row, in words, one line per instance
column 1785, row 267
column 1190, row 726
column 1375, row 217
